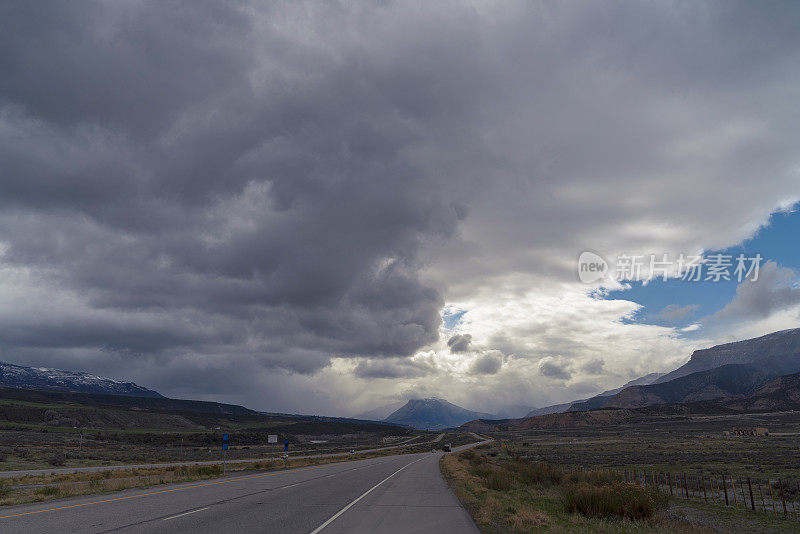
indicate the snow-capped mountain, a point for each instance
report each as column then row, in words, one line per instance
column 18, row 376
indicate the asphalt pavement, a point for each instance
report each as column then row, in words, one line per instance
column 391, row 494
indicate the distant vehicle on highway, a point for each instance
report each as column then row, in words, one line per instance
column 352, row 451
column 447, row 447
column 284, row 456
column 433, row 450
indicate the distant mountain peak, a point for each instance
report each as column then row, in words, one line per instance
column 433, row 413
column 47, row 378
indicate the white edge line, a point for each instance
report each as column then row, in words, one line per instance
column 185, row 513
column 346, row 508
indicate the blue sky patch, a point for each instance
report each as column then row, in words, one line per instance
column 680, row 303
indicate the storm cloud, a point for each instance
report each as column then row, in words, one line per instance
column 554, row 368
column 459, row 343
column 187, row 187
column 486, row 364
column 215, row 198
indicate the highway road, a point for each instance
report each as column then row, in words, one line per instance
column 391, row 494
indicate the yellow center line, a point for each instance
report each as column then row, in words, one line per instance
column 164, row 491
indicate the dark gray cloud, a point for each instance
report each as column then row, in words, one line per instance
column 459, row 343
column 187, row 162
column 554, row 368
column 486, row 364
column 593, row 366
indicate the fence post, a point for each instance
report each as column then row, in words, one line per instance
column 685, row 487
column 714, row 484
column 703, row 478
column 752, row 501
column 733, row 485
column 783, row 498
column 669, row 478
column 771, row 496
column 725, row 488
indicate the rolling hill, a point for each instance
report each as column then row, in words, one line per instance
column 565, row 407
column 781, row 394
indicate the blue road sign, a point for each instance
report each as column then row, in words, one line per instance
column 286, row 445
column 224, row 437
column 224, row 446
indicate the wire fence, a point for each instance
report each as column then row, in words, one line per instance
column 772, row 495
column 776, row 496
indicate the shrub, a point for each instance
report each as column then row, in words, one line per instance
column 57, row 460
column 541, row 474
column 595, row 478
column 48, row 490
column 208, row 470
column 499, row 481
column 478, row 460
column 618, row 500
column 468, row 454
column 482, row 471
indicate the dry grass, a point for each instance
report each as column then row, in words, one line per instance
column 618, row 500
column 531, row 498
column 527, row 518
column 40, row 488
